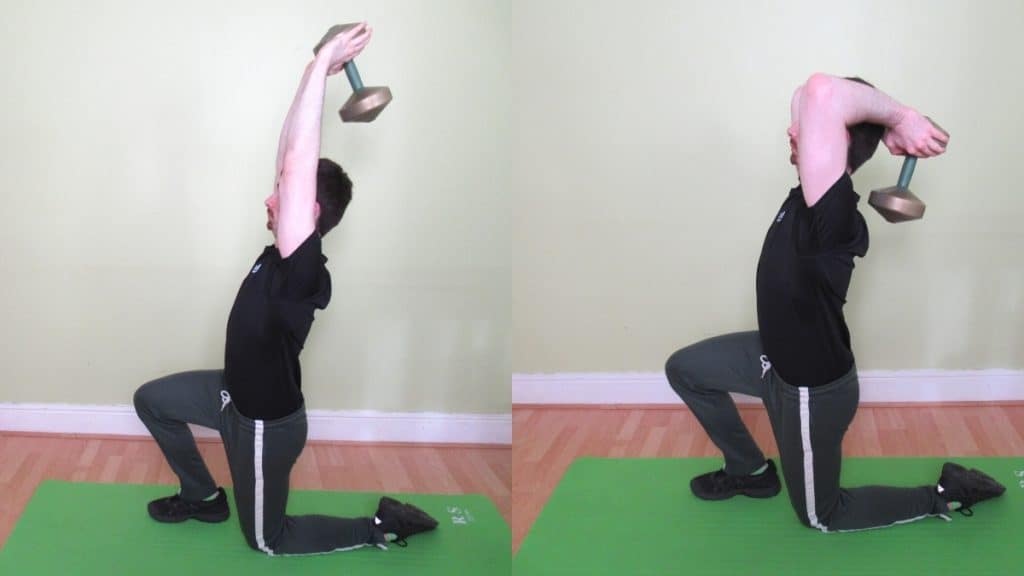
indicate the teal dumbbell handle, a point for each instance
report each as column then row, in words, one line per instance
column 906, row 172
column 353, row 76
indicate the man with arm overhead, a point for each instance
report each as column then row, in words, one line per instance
column 256, row 401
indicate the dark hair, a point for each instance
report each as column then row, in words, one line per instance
column 864, row 137
column 333, row 193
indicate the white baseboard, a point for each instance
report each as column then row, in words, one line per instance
column 338, row 426
column 881, row 386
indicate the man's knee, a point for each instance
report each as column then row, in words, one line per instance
column 678, row 370
column 149, row 396
column 251, row 541
column 250, row 538
column 144, row 398
column 820, row 523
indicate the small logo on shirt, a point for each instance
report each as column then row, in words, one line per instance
column 256, row 268
column 780, row 216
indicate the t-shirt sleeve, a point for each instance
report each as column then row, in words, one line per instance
column 838, row 226
column 301, row 285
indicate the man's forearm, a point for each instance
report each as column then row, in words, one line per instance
column 862, row 103
column 300, row 137
column 286, row 127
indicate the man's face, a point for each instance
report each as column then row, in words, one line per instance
column 794, row 125
column 272, row 203
column 793, row 152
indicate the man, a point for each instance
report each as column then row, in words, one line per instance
column 256, row 401
column 800, row 361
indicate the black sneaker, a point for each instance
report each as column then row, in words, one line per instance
column 401, row 520
column 177, row 509
column 966, row 487
column 718, row 485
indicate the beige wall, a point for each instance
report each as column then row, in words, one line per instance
column 653, row 156
column 139, row 141
column 639, row 148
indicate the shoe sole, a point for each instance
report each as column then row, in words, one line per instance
column 759, row 493
column 209, row 518
column 748, row 492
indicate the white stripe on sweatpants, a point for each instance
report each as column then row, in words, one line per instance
column 258, row 497
column 805, row 437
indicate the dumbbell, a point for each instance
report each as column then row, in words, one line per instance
column 366, row 102
column 897, row 203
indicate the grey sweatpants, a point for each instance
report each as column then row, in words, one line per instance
column 809, row 425
column 260, row 454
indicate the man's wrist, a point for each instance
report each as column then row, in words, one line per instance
column 899, row 114
column 320, row 64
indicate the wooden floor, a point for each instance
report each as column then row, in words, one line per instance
column 546, row 440
column 25, row 460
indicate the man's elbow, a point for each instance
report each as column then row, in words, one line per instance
column 818, row 90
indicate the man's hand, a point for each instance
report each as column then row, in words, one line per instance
column 915, row 135
column 345, row 47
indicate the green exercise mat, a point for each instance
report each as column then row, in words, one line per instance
column 638, row 517
column 104, row 530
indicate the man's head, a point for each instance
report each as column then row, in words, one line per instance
column 864, row 137
column 333, row 193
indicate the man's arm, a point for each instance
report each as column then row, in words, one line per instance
column 828, row 105
column 299, row 147
column 285, row 128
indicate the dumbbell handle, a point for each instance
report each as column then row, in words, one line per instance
column 907, row 171
column 353, row 76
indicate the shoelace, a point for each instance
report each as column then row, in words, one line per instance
column 176, row 504
column 225, row 399
column 398, row 530
column 411, row 521
column 723, row 480
column 974, row 490
column 408, row 520
column 404, row 527
column 765, row 365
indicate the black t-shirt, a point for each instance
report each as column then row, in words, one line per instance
column 802, row 278
column 267, row 328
